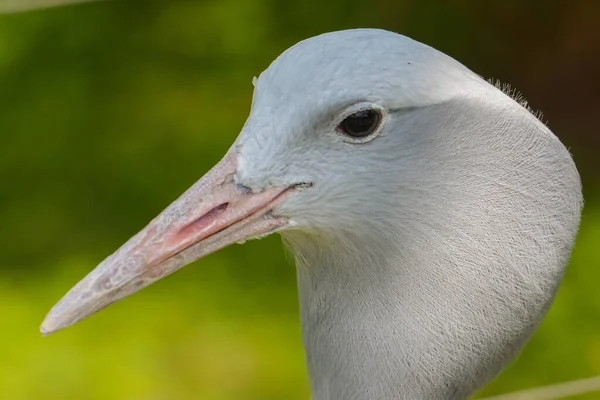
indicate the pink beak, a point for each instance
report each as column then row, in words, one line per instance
column 212, row 214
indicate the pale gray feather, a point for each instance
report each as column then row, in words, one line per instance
column 427, row 256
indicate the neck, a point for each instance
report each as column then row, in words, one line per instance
column 379, row 334
column 412, row 321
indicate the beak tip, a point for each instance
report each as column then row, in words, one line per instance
column 48, row 326
column 52, row 323
column 45, row 330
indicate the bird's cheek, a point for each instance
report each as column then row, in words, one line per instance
column 299, row 209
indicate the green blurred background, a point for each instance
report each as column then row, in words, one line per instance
column 108, row 111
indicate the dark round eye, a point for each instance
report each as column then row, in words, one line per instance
column 360, row 124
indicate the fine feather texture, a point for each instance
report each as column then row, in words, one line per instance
column 517, row 96
column 427, row 256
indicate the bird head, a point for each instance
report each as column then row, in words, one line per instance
column 345, row 137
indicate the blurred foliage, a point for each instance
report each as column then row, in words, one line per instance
column 110, row 110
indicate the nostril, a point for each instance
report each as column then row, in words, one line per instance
column 218, row 209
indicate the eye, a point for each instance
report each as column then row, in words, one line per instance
column 360, row 124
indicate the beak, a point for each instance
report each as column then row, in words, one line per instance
column 212, row 214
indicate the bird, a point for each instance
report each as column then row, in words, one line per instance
column 430, row 214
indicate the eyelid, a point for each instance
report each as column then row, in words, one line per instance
column 362, row 106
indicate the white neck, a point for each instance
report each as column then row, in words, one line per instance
column 390, row 334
